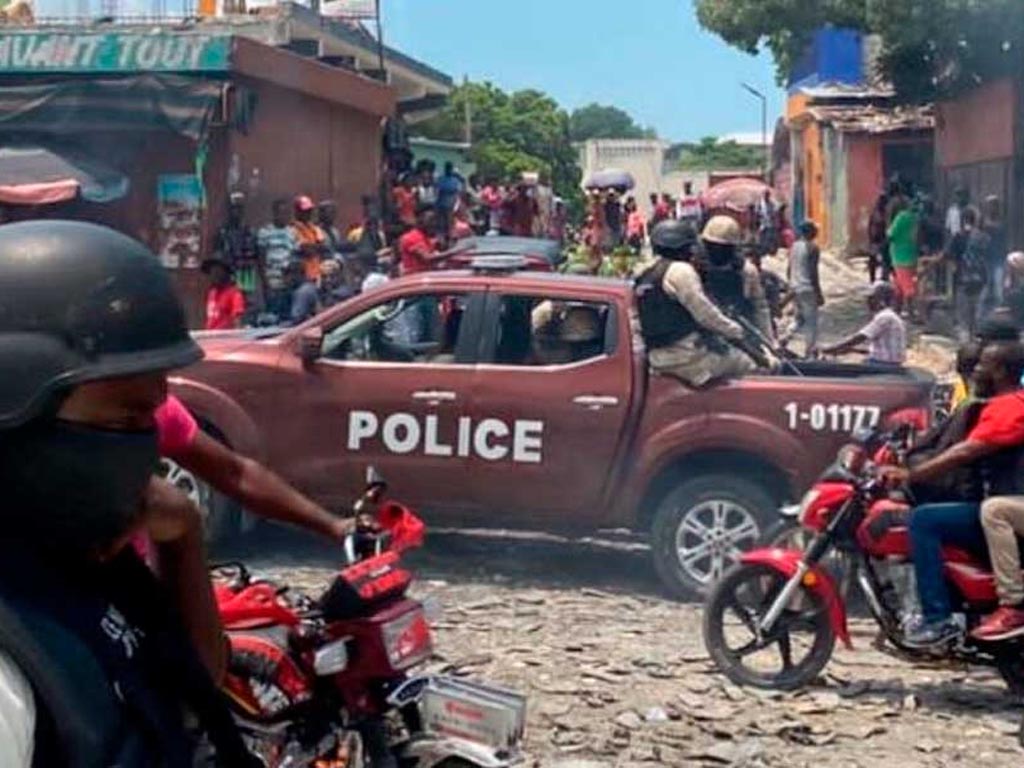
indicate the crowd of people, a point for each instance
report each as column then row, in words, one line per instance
column 288, row 269
column 959, row 261
column 523, row 206
column 300, row 262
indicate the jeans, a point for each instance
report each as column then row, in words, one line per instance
column 994, row 291
column 932, row 526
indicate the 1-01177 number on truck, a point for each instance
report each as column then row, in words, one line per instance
column 832, row 417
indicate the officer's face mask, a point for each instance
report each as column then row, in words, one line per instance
column 72, row 487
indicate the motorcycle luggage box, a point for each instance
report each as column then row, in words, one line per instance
column 362, row 588
column 485, row 714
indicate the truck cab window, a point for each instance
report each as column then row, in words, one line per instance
column 537, row 331
column 415, row 329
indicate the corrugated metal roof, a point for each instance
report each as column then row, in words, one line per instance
column 872, row 118
column 847, row 91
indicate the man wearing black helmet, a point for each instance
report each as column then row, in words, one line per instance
column 96, row 662
column 681, row 326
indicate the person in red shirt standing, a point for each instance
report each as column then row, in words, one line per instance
column 225, row 302
column 417, row 249
column 524, row 211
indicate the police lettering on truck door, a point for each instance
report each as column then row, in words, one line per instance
column 521, row 441
column 832, row 417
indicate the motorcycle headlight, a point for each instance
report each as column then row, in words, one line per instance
column 407, row 639
column 331, row 658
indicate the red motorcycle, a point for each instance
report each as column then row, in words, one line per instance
column 773, row 620
column 326, row 682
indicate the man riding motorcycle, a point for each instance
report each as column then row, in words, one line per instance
column 996, row 441
column 96, row 664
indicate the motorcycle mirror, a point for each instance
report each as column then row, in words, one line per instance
column 374, row 478
column 863, row 436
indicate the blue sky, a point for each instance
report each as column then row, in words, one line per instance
column 649, row 57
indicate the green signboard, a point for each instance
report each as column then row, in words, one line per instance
column 26, row 52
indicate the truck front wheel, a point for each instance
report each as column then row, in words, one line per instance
column 703, row 525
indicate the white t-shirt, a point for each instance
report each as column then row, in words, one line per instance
column 954, row 220
column 17, row 716
column 887, row 335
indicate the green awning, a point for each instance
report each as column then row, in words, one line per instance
column 71, row 107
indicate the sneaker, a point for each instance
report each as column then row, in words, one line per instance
column 928, row 634
column 1002, row 625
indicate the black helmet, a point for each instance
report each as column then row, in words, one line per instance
column 78, row 303
column 673, row 237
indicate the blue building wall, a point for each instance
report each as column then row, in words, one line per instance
column 834, row 56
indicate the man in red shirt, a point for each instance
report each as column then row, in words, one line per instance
column 417, row 250
column 225, row 302
column 997, row 440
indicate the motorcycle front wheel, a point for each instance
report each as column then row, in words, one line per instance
column 788, row 657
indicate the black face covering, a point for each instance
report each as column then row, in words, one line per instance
column 71, row 487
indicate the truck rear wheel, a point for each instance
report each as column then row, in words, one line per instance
column 703, row 525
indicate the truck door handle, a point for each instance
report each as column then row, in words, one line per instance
column 595, row 402
column 434, row 396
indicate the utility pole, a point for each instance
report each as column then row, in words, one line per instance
column 765, row 163
column 467, row 112
column 380, row 41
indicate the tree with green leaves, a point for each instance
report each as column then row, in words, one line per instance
column 511, row 133
column 599, row 121
column 930, row 48
column 784, row 27
column 710, row 155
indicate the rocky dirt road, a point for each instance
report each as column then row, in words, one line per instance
column 616, row 673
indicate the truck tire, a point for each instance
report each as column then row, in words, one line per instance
column 222, row 517
column 702, row 526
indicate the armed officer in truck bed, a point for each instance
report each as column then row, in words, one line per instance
column 688, row 336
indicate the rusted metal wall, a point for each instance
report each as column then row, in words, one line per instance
column 979, row 145
column 978, row 127
column 835, row 187
column 864, row 181
column 301, row 145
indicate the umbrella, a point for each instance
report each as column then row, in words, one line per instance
column 610, row 178
column 32, row 175
column 738, row 194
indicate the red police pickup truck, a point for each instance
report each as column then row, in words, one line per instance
column 506, row 398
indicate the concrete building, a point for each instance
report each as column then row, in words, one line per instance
column 177, row 119
column 441, row 152
column 643, row 158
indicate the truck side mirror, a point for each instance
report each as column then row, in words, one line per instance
column 308, row 345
